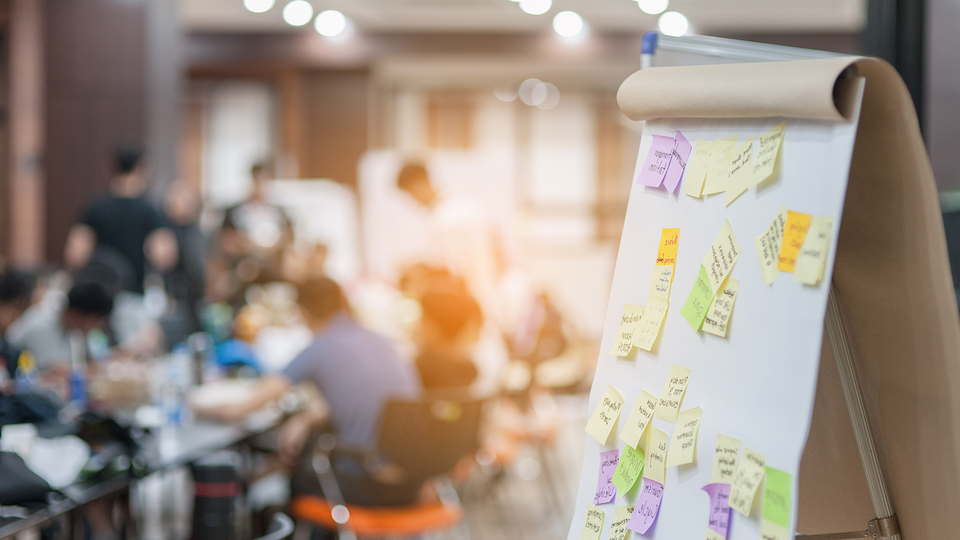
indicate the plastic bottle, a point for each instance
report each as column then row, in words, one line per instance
column 177, row 383
column 78, row 369
column 26, row 373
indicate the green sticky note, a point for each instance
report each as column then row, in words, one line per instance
column 776, row 498
column 629, row 468
column 695, row 310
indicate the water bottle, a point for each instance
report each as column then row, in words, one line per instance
column 177, row 383
column 26, row 373
column 78, row 369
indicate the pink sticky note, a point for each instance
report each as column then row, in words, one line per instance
column 719, row 507
column 658, row 160
column 678, row 163
column 647, row 507
column 606, row 491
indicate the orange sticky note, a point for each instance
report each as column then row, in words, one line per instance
column 794, row 232
column 667, row 252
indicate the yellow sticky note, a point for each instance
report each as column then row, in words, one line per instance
column 739, row 167
column 618, row 527
column 725, row 460
column 713, row 535
column 639, row 419
column 660, row 283
column 772, row 531
column 813, row 254
column 672, row 393
column 655, row 467
column 718, row 316
column 794, row 233
column 649, row 327
column 627, row 330
column 749, row 475
column 717, row 173
column 669, row 241
column 721, row 256
column 605, row 415
column 697, row 168
column 683, row 445
column 768, row 152
column 593, row 523
column 768, row 246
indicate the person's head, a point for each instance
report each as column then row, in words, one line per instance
column 320, row 300
column 128, row 180
column 88, row 304
column 415, row 180
column 182, row 203
column 16, row 293
column 260, row 172
column 450, row 320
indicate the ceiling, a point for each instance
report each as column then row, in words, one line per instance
column 492, row 16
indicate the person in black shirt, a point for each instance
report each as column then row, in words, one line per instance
column 186, row 281
column 121, row 230
column 16, row 293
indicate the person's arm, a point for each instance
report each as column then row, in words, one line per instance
column 79, row 247
column 295, row 431
column 160, row 248
column 268, row 389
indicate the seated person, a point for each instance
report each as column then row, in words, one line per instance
column 16, row 294
column 449, row 326
column 357, row 371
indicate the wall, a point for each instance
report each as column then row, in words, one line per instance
column 942, row 131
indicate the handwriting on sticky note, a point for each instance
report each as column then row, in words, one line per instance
column 768, row 246
column 813, row 254
column 719, row 517
column 660, row 283
column 629, row 468
column 683, row 445
column 655, row 467
column 647, row 507
column 618, row 527
column 725, row 459
column 738, row 171
column 699, row 301
column 678, row 163
column 717, row 172
column 650, row 322
column 655, row 167
column 749, row 475
column 719, row 313
column 592, row 524
column 606, row 491
column 697, row 168
column 776, row 497
column 605, row 415
column 669, row 242
column 768, row 150
column 639, row 419
column 721, row 256
column 672, row 393
column 794, row 233
column 626, row 332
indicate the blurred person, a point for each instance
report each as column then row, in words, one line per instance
column 449, row 327
column 16, row 294
column 185, row 283
column 122, row 230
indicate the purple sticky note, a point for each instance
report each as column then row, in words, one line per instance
column 606, row 491
column 719, row 507
column 658, row 161
column 647, row 507
column 678, row 164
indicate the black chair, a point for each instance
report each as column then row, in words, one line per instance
column 281, row 527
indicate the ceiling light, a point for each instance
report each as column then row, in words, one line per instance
column 567, row 23
column 526, row 91
column 536, row 7
column 653, row 7
column 552, row 97
column 673, row 23
column 258, row 6
column 330, row 23
column 298, row 13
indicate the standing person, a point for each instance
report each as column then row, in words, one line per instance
column 186, row 281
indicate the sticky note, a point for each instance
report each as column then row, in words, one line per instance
column 749, row 475
column 721, row 256
column 669, row 242
column 699, row 301
column 605, row 415
column 718, row 519
column 771, row 531
column 660, row 282
column 627, row 330
column 813, row 254
column 697, row 168
column 739, row 168
column 650, row 322
column 725, row 459
column 683, row 445
column 606, row 491
column 768, row 151
column 768, row 246
column 719, row 313
column 655, row 167
column 647, row 507
column 639, row 419
column 794, row 233
column 655, row 467
column 776, row 497
column 618, row 527
column 629, row 468
column 713, row 535
column 672, row 393
column 678, row 163
column 593, row 523
column 717, row 172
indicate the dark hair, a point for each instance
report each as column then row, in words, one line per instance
column 450, row 311
column 321, row 297
column 127, row 157
column 90, row 299
column 16, row 286
column 265, row 166
column 412, row 173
